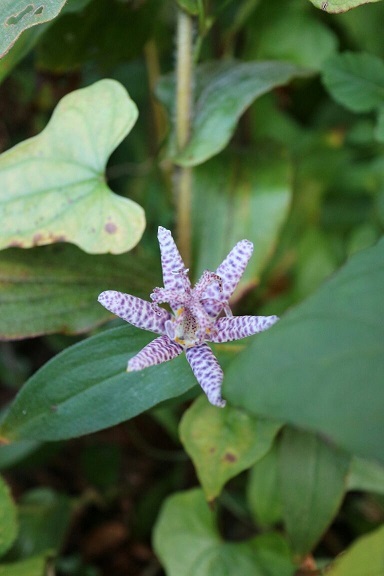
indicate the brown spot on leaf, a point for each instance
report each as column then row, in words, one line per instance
column 229, row 457
column 110, row 228
column 212, row 450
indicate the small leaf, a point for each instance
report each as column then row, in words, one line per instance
column 18, row 15
column 57, row 177
column 190, row 6
column 245, row 197
column 223, row 443
column 8, row 521
column 312, row 479
column 55, row 288
column 318, row 355
column 188, row 543
column 365, row 556
column 263, row 490
column 336, row 6
column 355, row 80
column 223, row 92
column 365, row 475
column 30, row 567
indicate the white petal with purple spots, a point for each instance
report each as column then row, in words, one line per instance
column 237, row 327
column 136, row 311
column 174, row 271
column 207, row 371
column 232, row 268
column 159, row 350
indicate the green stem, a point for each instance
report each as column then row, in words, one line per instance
column 184, row 87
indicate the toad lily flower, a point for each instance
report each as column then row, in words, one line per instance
column 197, row 314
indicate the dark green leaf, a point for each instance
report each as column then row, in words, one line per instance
column 188, row 543
column 223, row 443
column 55, row 288
column 263, row 490
column 321, row 367
column 57, row 177
column 312, row 477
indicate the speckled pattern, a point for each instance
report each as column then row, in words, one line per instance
column 238, row 327
column 136, row 311
column 195, row 319
column 158, row 351
column 207, row 371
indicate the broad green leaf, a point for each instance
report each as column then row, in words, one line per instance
column 55, row 288
column 336, row 6
column 44, row 518
column 18, row 15
column 188, row 543
column 30, row 567
column 223, row 92
column 364, row 558
column 223, row 443
column 238, row 197
column 355, row 80
column 312, row 477
column 263, row 489
column 279, row 40
column 52, row 186
column 86, row 388
column 8, row 520
column 365, row 475
column 321, row 366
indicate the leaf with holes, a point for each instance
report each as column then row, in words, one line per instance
column 223, row 443
column 336, row 6
column 52, row 186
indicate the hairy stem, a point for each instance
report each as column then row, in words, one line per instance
column 184, row 87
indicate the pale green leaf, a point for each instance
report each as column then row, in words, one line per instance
column 223, row 443
column 336, row 6
column 8, row 520
column 188, row 543
column 312, row 478
column 18, row 15
column 263, row 490
column 364, row 558
column 355, row 80
column 223, row 92
column 86, row 388
column 52, row 186
column 321, row 366
column 365, row 475
column 244, row 196
column 55, row 288
column 31, row 567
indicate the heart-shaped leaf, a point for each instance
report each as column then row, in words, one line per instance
column 324, row 355
column 223, row 443
column 55, row 288
column 336, row 6
column 52, row 186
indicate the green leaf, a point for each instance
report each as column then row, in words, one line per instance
column 86, row 388
column 355, row 80
column 8, row 521
column 223, row 92
column 336, row 6
column 190, row 6
column 263, row 490
column 245, row 197
column 11, row 454
column 188, row 543
column 30, row 567
column 321, row 367
column 312, row 478
column 223, row 443
column 364, row 557
column 379, row 129
column 18, row 15
column 365, row 475
column 57, row 177
column 55, row 288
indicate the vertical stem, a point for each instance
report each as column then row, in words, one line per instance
column 184, row 87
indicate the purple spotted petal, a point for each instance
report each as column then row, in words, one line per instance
column 232, row 268
column 136, row 311
column 238, row 327
column 156, row 352
column 207, row 371
column 174, row 272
